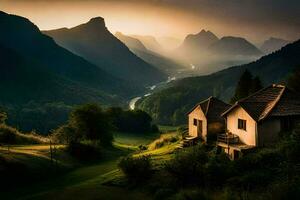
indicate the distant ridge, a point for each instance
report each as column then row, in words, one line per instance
column 95, row 43
column 169, row 106
column 273, row 44
column 234, row 46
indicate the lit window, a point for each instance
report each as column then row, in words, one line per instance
column 242, row 124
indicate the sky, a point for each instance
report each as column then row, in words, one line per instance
column 255, row 20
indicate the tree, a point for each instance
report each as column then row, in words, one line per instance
column 293, row 81
column 246, row 86
column 243, row 87
column 90, row 122
column 256, row 85
column 3, row 117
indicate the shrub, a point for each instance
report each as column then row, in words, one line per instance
column 217, row 170
column 63, row 135
column 136, row 168
column 192, row 194
column 163, row 140
column 142, row 147
column 188, row 165
column 10, row 135
column 83, row 151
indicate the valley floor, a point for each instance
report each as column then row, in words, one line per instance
column 87, row 181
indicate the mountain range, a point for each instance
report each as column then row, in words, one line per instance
column 43, row 56
column 168, row 106
column 150, row 43
column 165, row 64
column 273, row 44
column 207, row 53
column 96, row 44
column 41, row 81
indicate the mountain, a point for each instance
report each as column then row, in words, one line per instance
column 234, row 46
column 95, row 43
column 130, row 42
column 24, row 80
column 197, row 43
column 23, row 37
column 41, row 81
column 161, row 62
column 150, row 43
column 170, row 105
column 273, row 44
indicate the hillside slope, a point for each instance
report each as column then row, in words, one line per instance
column 22, row 36
column 95, row 43
column 161, row 62
column 169, row 106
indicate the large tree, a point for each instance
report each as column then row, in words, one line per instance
column 294, row 80
column 90, row 122
column 246, row 86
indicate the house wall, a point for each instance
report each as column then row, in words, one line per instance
column 197, row 114
column 268, row 131
column 246, row 136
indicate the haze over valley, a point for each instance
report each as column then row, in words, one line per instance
column 149, row 99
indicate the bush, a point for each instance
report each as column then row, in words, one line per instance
column 63, row 135
column 9, row 135
column 136, row 168
column 188, row 165
column 83, row 151
column 163, row 140
column 194, row 194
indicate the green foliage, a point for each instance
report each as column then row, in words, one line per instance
column 3, row 117
column 293, row 81
column 10, row 135
column 64, row 134
column 188, row 165
column 246, row 86
column 90, row 122
column 86, row 123
column 182, row 95
column 163, row 140
column 136, row 169
column 134, row 121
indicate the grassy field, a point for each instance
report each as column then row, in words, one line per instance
column 84, row 181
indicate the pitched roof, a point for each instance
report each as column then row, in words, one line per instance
column 212, row 108
column 275, row 100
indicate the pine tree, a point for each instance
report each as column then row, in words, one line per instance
column 256, row 85
column 243, row 87
column 294, row 81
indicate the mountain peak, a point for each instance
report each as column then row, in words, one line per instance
column 96, row 21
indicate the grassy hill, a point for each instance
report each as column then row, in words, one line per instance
column 74, row 180
column 169, row 106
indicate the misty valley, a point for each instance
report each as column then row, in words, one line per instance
column 149, row 100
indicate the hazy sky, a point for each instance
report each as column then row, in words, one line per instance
column 254, row 19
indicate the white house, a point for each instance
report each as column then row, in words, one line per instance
column 205, row 118
column 258, row 119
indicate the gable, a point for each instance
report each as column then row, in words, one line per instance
column 197, row 112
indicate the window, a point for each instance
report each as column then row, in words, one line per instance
column 242, row 124
column 195, row 122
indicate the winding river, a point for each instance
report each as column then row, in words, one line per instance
column 133, row 101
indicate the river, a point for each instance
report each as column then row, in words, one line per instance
column 133, row 101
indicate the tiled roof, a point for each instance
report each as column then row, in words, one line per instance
column 213, row 108
column 275, row 100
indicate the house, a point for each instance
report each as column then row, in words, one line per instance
column 257, row 120
column 205, row 118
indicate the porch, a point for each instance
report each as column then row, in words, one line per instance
column 231, row 145
column 228, row 138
